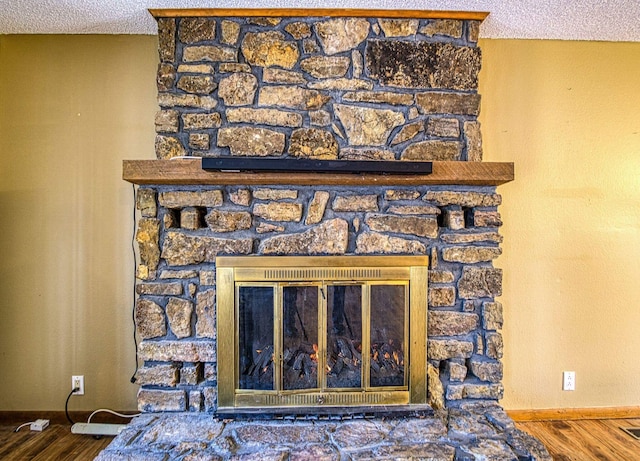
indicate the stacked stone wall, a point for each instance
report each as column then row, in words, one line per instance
column 322, row 88
column 182, row 230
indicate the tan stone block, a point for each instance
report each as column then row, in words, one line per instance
column 317, row 207
column 326, row 66
column 494, row 345
column 447, row 323
column 147, row 236
column 158, row 375
column 211, row 53
column 473, row 30
column 155, row 400
column 443, row 127
column 146, row 202
column 492, row 316
column 407, row 133
column 465, row 199
column 486, row 370
column 432, row 150
column 486, row 219
column 170, row 274
column 442, row 296
column 454, row 219
column 191, row 375
column 347, row 203
column 480, row 282
column 401, row 194
column 380, row 97
column 436, row 276
column 159, row 289
column 329, row 237
column 435, row 389
column 193, row 30
column 267, row 49
column 414, row 210
column 436, row 102
column 274, row 194
column 491, row 237
column 207, row 278
column 241, row 197
column 195, row 401
column 199, row 141
column 196, row 69
column 177, row 351
column 448, row 27
column 341, row 34
column 181, row 250
column 230, row 32
column 483, row 391
column 279, row 211
column 206, row 314
column 298, row 30
column 238, row 89
column 275, row 75
column 187, row 100
column 179, row 314
column 412, row 225
column 266, row 228
column 357, row 63
column 292, row 97
column 399, row 27
column 250, row 141
column 457, row 371
column 319, row 118
column 149, row 319
column 166, row 39
column 228, row 221
column 168, row 147
column 470, row 254
column 445, row 349
column 313, row 143
column 181, row 199
column 366, row 153
column 197, row 84
column 201, row 121
column 341, row 84
column 166, row 121
column 233, row 67
column 473, row 138
column 272, row 117
column 375, row 243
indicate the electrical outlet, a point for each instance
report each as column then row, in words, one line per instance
column 77, row 382
column 568, row 380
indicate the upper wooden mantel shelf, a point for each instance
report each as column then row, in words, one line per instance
column 189, row 172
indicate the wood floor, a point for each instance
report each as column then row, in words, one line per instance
column 586, row 440
column 566, row 441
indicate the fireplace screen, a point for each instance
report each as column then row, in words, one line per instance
column 308, row 331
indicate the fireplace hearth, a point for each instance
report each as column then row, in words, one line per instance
column 282, row 315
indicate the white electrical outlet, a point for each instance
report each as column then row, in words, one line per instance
column 77, row 382
column 568, row 380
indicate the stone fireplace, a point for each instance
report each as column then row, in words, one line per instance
column 350, row 85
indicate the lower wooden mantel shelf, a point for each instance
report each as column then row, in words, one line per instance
column 189, row 172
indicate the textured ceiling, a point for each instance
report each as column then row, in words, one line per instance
column 610, row 20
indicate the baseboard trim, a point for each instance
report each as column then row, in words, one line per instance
column 568, row 414
column 59, row 417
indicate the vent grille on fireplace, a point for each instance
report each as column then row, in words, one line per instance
column 321, row 274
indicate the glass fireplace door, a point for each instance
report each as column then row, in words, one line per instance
column 287, row 332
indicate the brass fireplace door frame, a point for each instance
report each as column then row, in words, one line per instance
column 232, row 272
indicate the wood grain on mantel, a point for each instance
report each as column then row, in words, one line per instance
column 316, row 12
column 189, row 172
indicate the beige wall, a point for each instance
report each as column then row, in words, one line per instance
column 568, row 115
column 72, row 107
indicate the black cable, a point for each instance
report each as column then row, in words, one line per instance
column 133, row 310
column 66, row 405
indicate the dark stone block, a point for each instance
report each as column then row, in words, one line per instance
column 423, row 65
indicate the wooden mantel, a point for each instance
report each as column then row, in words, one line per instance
column 189, row 172
column 316, row 12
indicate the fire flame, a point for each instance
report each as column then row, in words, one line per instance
column 314, row 356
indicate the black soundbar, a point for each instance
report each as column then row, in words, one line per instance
column 315, row 166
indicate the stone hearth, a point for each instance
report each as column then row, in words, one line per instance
column 471, row 432
column 329, row 85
